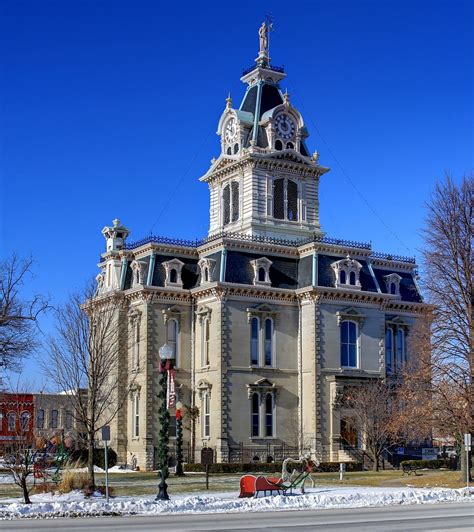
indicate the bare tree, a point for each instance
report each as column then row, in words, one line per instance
column 17, row 314
column 17, row 407
column 373, row 410
column 449, row 281
column 84, row 357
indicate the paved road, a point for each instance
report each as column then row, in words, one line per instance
column 442, row 517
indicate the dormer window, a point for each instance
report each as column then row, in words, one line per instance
column 138, row 273
column 392, row 283
column 261, row 271
column 346, row 272
column 230, row 200
column 207, row 270
column 278, row 145
column 173, row 273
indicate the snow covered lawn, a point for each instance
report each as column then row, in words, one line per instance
column 74, row 504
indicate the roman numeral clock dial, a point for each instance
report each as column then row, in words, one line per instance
column 285, row 127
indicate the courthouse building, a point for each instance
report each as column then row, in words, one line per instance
column 269, row 318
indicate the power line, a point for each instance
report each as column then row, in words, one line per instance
column 351, row 182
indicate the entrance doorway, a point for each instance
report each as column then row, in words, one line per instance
column 348, row 433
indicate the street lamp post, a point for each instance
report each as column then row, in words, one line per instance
column 166, row 354
column 179, row 439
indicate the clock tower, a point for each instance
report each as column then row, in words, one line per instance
column 264, row 182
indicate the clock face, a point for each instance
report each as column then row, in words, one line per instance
column 230, row 130
column 285, row 127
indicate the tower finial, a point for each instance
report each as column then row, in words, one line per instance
column 228, row 101
column 264, row 42
column 286, row 98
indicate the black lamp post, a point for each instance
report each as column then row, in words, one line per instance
column 166, row 354
column 179, row 439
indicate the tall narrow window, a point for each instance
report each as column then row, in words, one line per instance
column 172, row 426
column 40, row 419
column 226, row 204
column 173, row 276
column 69, row 419
column 262, row 275
column 342, row 277
column 352, row 278
column 254, row 327
column 172, row 339
column 268, row 342
column 206, row 425
column 400, row 348
column 255, row 415
column 11, row 419
column 393, row 288
column 388, row 349
column 136, row 344
column 205, row 342
column 136, row 416
column 269, row 415
column 25, row 421
column 292, row 201
column 348, row 344
column 54, row 419
column 279, row 199
column 235, row 201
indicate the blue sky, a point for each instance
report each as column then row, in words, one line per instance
column 109, row 109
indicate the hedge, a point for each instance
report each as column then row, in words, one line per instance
column 425, row 464
column 263, row 467
column 81, row 455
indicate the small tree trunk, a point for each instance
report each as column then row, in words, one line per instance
column 24, row 487
column 90, row 459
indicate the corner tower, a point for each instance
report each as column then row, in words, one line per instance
column 264, row 182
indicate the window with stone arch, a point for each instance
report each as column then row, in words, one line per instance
column 205, row 340
column 269, row 429
column 268, row 342
column 255, row 415
column 25, row 421
column 230, row 203
column 136, row 415
column 349, row 335
column 285, row 199
column 400, row 348
column 206, row 415
column 11, row 421
column 172, row 338
column 254, row 341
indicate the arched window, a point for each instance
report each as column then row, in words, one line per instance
column 255, row 415
column 136, row 416
column 173, row 276
column 206, row 413
column 236, row 148
column 254, row 327
column 269, row 415
column 348, row 344
column 229, row 151
column 388, row 349
column 278, row 145
column 290, row 146
column 400, row 348
column 235, row 201
column 292, row 194
column 342, row 277
column 285, row 199
column 25, row 421
column 40, row 419
column 268, row 350
column 393, row 288
column 206, row 275
column 11, row 421
column 262, row 275
column 205, row 342
column 352, row 278
column 278, row 199
column 226, row 204
column 136, row 344
column 172, row 338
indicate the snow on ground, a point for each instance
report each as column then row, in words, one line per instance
column 74, row 505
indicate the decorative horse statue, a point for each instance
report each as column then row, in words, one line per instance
column 293, row 469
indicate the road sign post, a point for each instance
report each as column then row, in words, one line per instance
column 207, row 458
column 467, row 447
column 105, row 439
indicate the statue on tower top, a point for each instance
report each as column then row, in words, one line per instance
column 263, row 37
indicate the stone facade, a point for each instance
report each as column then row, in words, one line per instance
column 268, row 317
